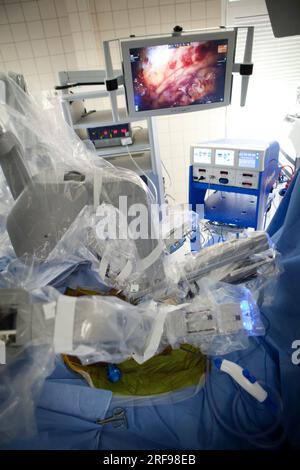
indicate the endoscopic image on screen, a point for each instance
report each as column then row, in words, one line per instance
column 175, row 75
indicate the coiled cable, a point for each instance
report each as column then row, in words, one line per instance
column 257, row 439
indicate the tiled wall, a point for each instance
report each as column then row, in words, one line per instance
column 35, row 39
column 41, row 37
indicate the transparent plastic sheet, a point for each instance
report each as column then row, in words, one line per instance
column 104, row 329
column 25, row 369
column 6, row 251
column 220, row 258
column 69, row 175
column 178, row 226
column 251, row 260
column 268, row 271
column 21, row 381
column 53, row 222
column 218, row 320
column 40, row 128
column 234, row 261
column 6, row 201
column 116, row 259
column 113, row 256
column 108, row 329
column 53, row 177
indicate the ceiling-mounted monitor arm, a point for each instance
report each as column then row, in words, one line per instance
column 245, row 69
column 111, row 81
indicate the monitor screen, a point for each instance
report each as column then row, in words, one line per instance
column 248, row 159
column 202, row 155
column 224, row 157
column 178, row 74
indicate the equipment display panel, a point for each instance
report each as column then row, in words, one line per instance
column 224, row 157
column 202, row 155
column 249, row 159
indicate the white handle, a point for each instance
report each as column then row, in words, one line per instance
column 244, row 379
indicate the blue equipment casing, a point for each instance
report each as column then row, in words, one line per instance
column 241, row 174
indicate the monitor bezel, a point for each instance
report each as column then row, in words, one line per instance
column 162, row 40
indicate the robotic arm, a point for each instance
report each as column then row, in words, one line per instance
column 111, row 330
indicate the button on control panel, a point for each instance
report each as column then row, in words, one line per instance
column 226, row 177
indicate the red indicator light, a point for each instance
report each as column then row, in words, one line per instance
column 105, row 132
column 115, row 131
column 124, row 131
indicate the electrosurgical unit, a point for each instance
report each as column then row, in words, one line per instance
column 240, row 173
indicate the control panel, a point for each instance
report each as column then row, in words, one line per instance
column 227, row 165
column 240, row 174
column 108, row 136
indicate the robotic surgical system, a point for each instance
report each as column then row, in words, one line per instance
column 240, row 174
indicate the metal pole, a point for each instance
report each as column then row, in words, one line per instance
column 247, row 60
column 110, row 75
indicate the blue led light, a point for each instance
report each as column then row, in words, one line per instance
column 246, row 314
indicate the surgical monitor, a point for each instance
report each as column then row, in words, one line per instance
column 174, row 74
